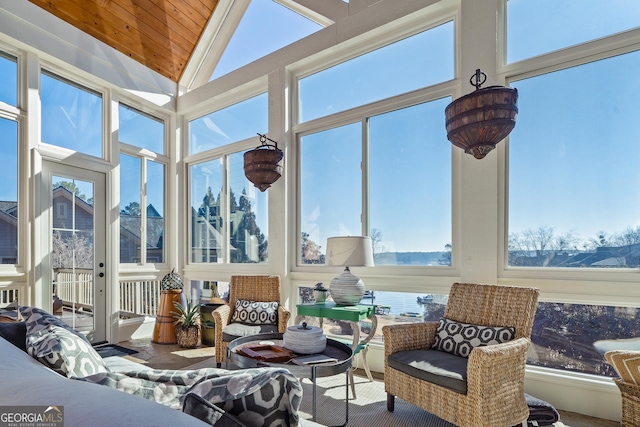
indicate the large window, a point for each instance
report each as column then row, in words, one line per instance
column 207, row 202
column 141, row 229
column 415, row 62
column 142, row 187
column 410, row 186
column 9, row 155
column 330, row 188
column 140, row 129
column 536, row 27
column 409, row 220
column 387, row 174
column 9, row 192
column 573, row 168
column 71, row 115
column 234, row 123
column 228, row 217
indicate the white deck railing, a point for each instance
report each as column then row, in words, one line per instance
column 74, row 287
column 137, row 297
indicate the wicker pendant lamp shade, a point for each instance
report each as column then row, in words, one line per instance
column 478, row 121
column 263, row 164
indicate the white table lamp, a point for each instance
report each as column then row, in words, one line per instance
column 354, row 251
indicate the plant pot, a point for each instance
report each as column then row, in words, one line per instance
column 187, row 336
column 208, row 326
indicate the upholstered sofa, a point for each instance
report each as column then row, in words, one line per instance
column 25, row 381
column 121, row 392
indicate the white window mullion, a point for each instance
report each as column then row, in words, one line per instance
column 225, row 206
column 143, row 211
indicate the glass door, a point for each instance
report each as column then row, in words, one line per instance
column 76, row 238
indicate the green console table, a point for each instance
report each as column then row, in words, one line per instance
column 350, row 313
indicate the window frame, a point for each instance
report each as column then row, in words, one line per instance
column 80, row 83
column 565, row 285
column 17, row 115
column 241, row 93
column 367, row 43
column 145, row 156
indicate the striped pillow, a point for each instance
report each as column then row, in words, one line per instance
column 626, row 363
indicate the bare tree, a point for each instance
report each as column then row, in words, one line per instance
column 536, row 242
column 70, row 251
column 376, row 241
column 564, row 242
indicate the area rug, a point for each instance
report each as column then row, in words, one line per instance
column 109, row 350
column 368, row 410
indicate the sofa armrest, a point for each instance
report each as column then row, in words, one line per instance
column 206, row 411
column 410, row 336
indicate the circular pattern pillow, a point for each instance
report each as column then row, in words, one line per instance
column 255, row 313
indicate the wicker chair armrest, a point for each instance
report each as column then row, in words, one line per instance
column 410, row 336
column 493, row 367
column 221, row 316
column 283, row 318
column 628, row 389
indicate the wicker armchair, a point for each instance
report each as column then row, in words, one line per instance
column 494, row 380
column 627, row 365
column 249, row 288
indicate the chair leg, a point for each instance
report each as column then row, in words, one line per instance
column 391, row 402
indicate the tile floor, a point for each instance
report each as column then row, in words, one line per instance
column 171, row 356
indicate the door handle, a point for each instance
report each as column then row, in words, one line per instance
column 101, row 275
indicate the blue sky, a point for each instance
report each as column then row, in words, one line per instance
column 575, row 150
column 265, row 27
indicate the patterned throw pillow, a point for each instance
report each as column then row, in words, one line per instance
column 255, row 313
column 626, row 363
column 37, row 319
column 58, row 346
column 460, row 338
column 64, row 352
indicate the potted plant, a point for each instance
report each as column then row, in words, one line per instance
column 187, row 323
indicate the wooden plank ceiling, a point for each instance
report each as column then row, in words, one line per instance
column 160, row 34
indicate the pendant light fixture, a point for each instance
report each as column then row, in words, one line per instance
column 478, row 121
column 263, row 164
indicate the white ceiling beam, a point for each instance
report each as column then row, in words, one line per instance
column 213, row 41
column 324, row 12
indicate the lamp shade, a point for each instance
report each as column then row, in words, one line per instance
column 349, row 251
column 355, row 251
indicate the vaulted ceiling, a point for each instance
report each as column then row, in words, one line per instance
column 161, row 34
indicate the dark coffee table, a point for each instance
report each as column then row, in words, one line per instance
column 334, row 349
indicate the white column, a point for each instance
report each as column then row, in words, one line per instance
column 478, row 217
